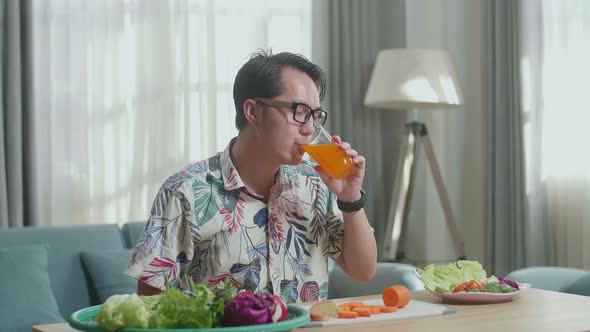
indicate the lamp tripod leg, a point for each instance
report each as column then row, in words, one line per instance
column 443, row 195
column 400, row 200
column 397, row 220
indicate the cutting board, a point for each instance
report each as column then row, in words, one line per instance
column 412, row 310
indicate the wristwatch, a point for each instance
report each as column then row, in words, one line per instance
column 353, row 206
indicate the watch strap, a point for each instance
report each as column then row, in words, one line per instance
column 352, row 206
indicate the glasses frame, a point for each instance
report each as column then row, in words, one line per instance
column 293, row 107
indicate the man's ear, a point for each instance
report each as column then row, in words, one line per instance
column 249, row 108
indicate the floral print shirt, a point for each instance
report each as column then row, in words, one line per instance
column 207, row 224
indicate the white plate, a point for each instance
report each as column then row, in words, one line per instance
column 478, row 297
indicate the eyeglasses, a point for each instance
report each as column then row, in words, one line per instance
column 301, row 112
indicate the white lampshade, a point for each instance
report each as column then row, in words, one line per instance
column 414, row 79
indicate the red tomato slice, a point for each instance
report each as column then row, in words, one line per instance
column 474, row 283
column 461, row 287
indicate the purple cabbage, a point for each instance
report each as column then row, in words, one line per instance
column 504, row 281
column 251, row 309
column 268, row 300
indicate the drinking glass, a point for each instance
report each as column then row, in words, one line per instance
column 328, row 154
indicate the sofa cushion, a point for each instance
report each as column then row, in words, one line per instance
column 26, row 297
column 64, row 244
column 580, row 287
column 105, row 271
column 132, row 231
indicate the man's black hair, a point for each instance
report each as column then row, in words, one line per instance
column 260, row 77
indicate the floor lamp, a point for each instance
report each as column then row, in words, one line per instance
column 414, row 79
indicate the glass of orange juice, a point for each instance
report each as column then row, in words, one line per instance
column 328, row 155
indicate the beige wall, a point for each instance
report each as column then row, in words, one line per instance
column 457, row 136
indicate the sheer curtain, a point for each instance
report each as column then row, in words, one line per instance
column 127, row 92
column 555, row 72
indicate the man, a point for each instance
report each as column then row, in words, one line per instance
column 256, row 212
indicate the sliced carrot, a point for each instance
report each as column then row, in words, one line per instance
column 347, row 314
column 385, row 309
column 374, row 309
column 354, row 304
column 396, row 296
column 362, row 312
column 343, row 308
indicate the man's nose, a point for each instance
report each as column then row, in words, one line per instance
column 307, row 128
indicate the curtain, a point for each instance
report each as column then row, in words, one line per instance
column 347, row 36
column 505, row 202
column 15, row 96
column 128, row 92
column 555, row 68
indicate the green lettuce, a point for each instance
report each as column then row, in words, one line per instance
column 150, row 301
column 496, row 287
column 225, row 291
column 125, row 310
column 443, row 278
column 176, row 310
column 197, row 306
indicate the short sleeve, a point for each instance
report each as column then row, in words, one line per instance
column 334, row 226
column 165, row 248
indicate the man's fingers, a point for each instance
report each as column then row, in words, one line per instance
column 351, row 153
column 344, row 146
column 359, row 161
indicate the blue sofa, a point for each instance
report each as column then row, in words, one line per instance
column 50, row 272
column 555, row 278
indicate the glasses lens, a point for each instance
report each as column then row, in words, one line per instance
column 302, row 113
column 319, row 117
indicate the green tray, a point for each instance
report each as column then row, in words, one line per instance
column 83, row 320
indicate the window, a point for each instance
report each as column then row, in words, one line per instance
column 128, row 92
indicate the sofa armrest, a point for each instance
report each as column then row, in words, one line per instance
column 388, row 274
column 551, row 278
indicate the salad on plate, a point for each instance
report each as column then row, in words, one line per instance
column 464, row 276
column 198, row 307
column 466, row 282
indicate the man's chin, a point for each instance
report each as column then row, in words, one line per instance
column 296, row 160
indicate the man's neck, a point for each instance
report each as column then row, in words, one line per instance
column 256, row 170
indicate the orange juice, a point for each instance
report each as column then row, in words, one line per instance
column 331, row 158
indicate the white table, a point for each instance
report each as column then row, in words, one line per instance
column 534, row 309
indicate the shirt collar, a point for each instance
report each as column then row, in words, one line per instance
column 231, row 178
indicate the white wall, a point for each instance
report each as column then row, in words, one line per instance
column 457, row 135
